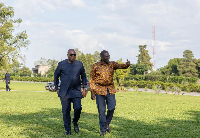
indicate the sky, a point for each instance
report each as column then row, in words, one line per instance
column 118, row 26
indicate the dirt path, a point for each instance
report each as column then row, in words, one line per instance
column 162, row 91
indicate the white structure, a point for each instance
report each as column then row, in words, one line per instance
column 40, row 69
column 154, row 48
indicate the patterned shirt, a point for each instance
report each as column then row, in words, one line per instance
column 101, row 77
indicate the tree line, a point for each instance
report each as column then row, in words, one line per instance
column 188, row 66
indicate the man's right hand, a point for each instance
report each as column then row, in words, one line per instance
column 57, row 91
column 93, row 96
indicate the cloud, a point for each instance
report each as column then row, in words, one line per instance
column 31, row 8
column 52, row 40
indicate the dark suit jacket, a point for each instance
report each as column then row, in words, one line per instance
column 69, row 74
column 7, row 78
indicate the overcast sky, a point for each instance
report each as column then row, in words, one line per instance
column 118, row 26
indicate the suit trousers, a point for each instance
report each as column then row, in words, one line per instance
column 101, row 102
column 7, row 87
column 66, row 108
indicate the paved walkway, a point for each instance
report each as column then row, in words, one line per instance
column 23, row 91
column 140, row 89
column 162, row 91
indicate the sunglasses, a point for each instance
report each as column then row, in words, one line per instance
column 72, row 55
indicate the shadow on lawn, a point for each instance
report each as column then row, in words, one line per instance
column 3, row 88
column 48, row 123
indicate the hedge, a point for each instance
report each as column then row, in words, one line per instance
column 162, row 78
column 164, row 86
column 30, row 79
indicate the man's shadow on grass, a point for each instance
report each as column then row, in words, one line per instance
column 49, row 123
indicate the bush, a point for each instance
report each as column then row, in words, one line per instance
column 162, row 78
column 31, row 79
column 163, row 86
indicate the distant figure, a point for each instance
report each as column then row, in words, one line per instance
column 7, row 78
column 69, row 71
column 102, row 86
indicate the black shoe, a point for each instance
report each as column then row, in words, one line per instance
column 108, row 128
column 103, row 133
column 68, row 133
column 76, row 127
column 9, row 89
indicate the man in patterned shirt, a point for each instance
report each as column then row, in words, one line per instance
column 102, row 86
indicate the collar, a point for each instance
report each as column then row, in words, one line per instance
column 103, row 63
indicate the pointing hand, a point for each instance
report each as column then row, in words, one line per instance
column 128, row 63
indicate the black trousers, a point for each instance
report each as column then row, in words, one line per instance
column 66, row 108
column 101, row 102
column 7, row 87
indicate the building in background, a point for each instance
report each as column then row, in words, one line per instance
column 40, row 69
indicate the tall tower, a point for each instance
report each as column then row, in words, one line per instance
column 154, row 48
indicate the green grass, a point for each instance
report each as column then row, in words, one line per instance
column 24, row 86
column 137, row 114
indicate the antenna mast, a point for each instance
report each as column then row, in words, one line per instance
column 154, row 48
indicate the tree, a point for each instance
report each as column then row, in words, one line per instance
column 197, row 62
column 42, row 61
column 78, row 53
column 24, row 70
column 90, row 60
column 52, row 63
column 174, row 65
column 11, row 42
column 141, row 69
column 188, row 67
column 87, row 59
column 16, row 67
column 188, row 56
column 97, row 56
column 144, row 58
column 172, row 68
column 166, row 70
column 133, row 70
column 120, row 74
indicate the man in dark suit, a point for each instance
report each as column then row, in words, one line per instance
column 69, row 71
column 7, row 78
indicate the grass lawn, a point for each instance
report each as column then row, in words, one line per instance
column 23, row 86
column 24, row 113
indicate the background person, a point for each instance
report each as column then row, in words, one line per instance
column 7, row 78
column 69, row 71
column 102, row 86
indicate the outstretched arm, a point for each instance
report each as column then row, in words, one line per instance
column 121, row 66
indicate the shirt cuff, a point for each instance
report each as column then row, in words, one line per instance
column 84, row 86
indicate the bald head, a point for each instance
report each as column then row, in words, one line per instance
column 71, row 55
column 103, row 52
column 105, row 56
column 71, row 50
